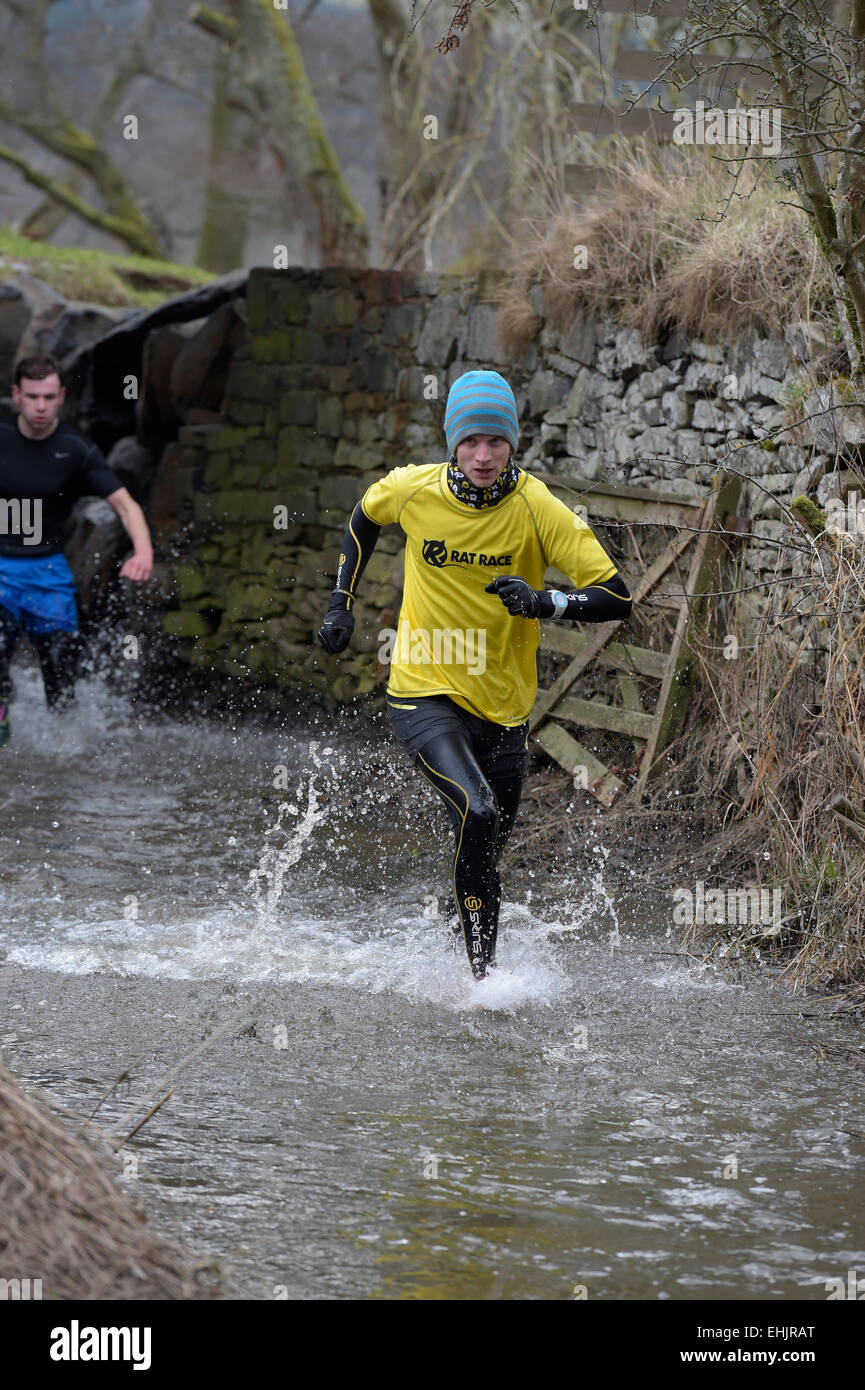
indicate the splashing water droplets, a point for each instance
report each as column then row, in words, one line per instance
column 278, row 857
column 588, row 904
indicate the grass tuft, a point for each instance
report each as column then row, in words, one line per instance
column 661, row 256
column 100, row 277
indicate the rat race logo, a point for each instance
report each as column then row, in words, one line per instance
column 436, row 553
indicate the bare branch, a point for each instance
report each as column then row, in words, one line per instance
column 62, row 193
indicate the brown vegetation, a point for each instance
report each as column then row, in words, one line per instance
column 776, row 769
column 64, row 1219
column 668, row 247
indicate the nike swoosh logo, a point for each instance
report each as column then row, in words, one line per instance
column 61, row 456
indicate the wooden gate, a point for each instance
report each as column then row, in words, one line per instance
column 700, row 520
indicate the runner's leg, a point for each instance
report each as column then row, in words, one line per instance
column 10, row 631
column 448, row 762
column 507, row 790
column 503, row 755
column 57, row 659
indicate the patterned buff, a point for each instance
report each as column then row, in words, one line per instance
column 475, row 496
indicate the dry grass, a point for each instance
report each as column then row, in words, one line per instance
column 659, row 258
column 65, row 1220
column 782, row 763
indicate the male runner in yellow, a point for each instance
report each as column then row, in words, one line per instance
column 480, row 534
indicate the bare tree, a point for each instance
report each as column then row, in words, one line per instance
column 268, row 81
column 434, row 130
column 261, row 100
column 51, row 128
column 812, row 57
column 502, row 89
column 446, row 128
column 233, row 146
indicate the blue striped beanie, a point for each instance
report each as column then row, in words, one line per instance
column 481, row 403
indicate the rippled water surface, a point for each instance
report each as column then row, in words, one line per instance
column 617, row 1118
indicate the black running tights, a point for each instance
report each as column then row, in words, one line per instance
column 56, row 652
column 482, row 809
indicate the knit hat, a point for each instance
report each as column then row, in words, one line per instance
column 481, row 403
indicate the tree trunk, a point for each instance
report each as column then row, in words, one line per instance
column 43, row 221
column 273, row 88
column 50, row 127
column 417, row 175
column 225, row 219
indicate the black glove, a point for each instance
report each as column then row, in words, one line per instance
column 520, row 599
column 336, row 630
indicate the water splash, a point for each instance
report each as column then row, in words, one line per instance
column 600, row 890
column 247, row 906
column 278, row 856
column 586, row 905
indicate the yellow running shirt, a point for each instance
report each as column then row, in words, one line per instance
column 483, row 658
